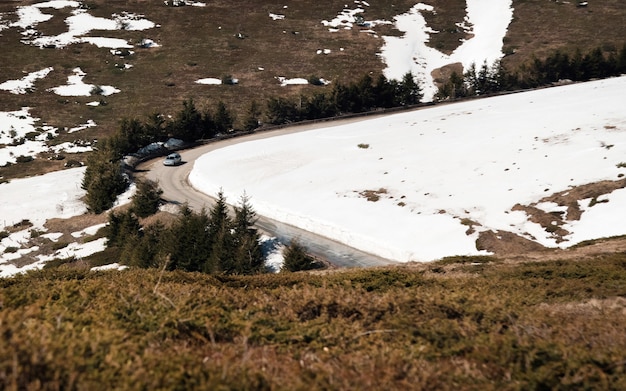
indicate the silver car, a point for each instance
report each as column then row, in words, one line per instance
column 173, row 159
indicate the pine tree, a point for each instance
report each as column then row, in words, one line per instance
column 253, row 117
column 248, row 257
column 317, row 106
column 363, row 94
column 147, row 198
column 188, row 242
column 386, row 92
column 187, row 125
column 410, row 92
column 145, row 250
column 155, row 127
column 220, row 254
column 296, row 258
column 222, row 119
column 122, row 226
column 281, row 111
column 103, row 180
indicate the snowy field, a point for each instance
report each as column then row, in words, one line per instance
column 436, row 168
column 430, row 169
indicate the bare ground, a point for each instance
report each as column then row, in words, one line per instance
column 509, row 246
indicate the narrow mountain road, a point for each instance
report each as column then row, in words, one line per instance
column 177, row 189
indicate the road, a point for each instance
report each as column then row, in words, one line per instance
column 177, row 189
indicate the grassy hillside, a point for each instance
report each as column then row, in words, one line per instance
column 469, row 323
column 225, row 39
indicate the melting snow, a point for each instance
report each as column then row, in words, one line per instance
column 489, row 20
column 209, row 81
column 26, row 83
column 435, row 167
column 76, row 87
column 289, row 82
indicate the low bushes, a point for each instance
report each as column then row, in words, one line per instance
column 548, row 325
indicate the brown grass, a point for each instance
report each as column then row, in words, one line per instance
column 200, row 42
column 541, row 27
column 480, row 323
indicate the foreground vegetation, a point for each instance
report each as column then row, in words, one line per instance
column 470, row 323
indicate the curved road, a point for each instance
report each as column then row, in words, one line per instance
column 177, row 189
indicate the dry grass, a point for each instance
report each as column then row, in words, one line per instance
column 541, row 27
column 199, row 42
column 475, row 322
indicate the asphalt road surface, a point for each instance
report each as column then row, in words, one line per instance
column 177, row 189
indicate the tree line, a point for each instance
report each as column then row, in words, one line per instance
column 212, row 241
column 556, row 67
column 104, row 178
column 366, row 94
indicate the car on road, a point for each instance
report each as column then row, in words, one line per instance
column 173, row 159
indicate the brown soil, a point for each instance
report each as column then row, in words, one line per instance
column 509, row 246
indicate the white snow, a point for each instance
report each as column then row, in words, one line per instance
column 489, row 20
column 76, row 87
column 346, row 18
column 291, row 82
column 15, row 125
column 57, row 194
column 210, row 81
column 37, row 199
column 69, row 147
column 79, row 24
column 76, row 250
column 102, row 42
column 472, row 160
column 21, row 86
column 111, row 266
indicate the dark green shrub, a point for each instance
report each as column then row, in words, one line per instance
column 147, row 198
column 24, row 159
column 297, row 259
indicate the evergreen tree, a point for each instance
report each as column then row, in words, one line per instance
column 220, row 254
column 317, row 106
column 248, row 257
column 281, row 111
column 223, row 119
column 386, row 92
column 410, row 92
column 340, row 98
column 296, row 258
column 187, row 125
column 252, row 119
column 145, row 250
column 147, row 198
column 103, row 180
column 208, row 125
column 363, row 94
column 454, row 88
column 122, row 226
column 188, row 242
column 156, row 127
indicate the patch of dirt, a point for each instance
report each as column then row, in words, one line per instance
column 76, row 223
column 570, row 198
column 509, row 246
column 442, row 75
column 502, row 243
column 550, row 221
column 373, row 195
